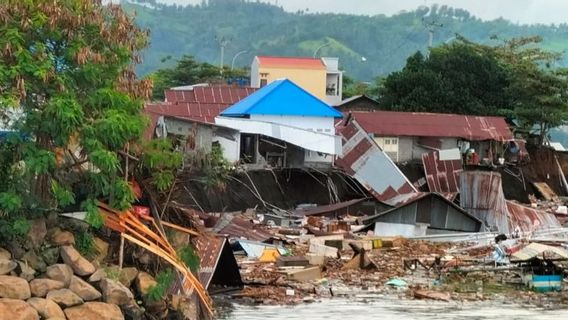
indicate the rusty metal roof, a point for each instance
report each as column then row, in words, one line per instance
column 242, row 228
column 369, row 165
column 209, row 249
column 414, row 124
column 482, row 195
column 328, row 209
column 201, row 104
column 441, row 175
column 291, row 62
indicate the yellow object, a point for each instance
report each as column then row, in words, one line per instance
column 377, row 243
column 269, row 255
column 309, row 73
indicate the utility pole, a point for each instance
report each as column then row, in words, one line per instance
column 223, row 42
column 431, row 27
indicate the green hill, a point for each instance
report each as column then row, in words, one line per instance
column 263, row 29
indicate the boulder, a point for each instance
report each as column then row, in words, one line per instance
column 84, row 290
column 6, row 266
column 14, row 288
column 116, row 293
column 5, row 254
column 144, row 282
column 34, row 261
column 127, row 275
column 64, row 297
column 60, row 272
column 17, row 310
column 50, row 255
column 37, row 233
column 25, row 271
column 97, row 276
column 102, row 249
column 47, row 309
column 60, row 237
column 94, row 311
column 80, row 265
column 40, row 287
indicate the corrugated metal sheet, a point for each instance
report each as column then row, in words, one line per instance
column 209, row 250
column 441, row 176
column 367, row 163
column 328, row 209
column 201, row 104
column 432, row 209
column 255, row 249
column 482, row 195
column 472, row 128
column 241, row 228
column 536, row 250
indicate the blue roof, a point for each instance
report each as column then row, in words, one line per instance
column 282, row 97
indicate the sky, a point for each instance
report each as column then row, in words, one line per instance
column 518, row 11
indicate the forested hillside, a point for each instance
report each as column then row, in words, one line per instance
column 262, row 29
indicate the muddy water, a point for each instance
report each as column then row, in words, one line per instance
column 379, row 307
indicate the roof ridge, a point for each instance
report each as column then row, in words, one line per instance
column 277, row 83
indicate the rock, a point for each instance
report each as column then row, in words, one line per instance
column 60, row 237
column 6, row 266
column 37, row 233
column 80, row 265
column 60, row 272
column 14, row 288
column 17, row 310
column 16, row 249
column 179, row 239
column 84, row 290
column 127, row 275
column 116, row 293
column 64, row 297
column 34, row 261
column 50, row 255
column 40, row 287
column 97, row 276
column 5, row 254
column 25, row 271
column 94, row 311
column 47, row 309
column 102, row 249
column 143, row 283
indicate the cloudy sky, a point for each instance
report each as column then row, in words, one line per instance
column 520, row 11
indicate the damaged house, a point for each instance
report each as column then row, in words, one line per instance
column 282, row 125
column 406, row 136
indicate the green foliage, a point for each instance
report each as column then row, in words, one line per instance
column 190, row 257
column 70, row 81
column 15, row 228
column 85, row 244
column 217, row 172
column 189, row 71
column 158, row 291
column 160, row 158
column 264, row 29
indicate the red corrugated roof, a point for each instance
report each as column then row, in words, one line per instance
column 291, row 62
column 200, row 104
column 441, row 175
column 473, row 128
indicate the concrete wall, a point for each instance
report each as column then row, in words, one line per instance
column 311, row 80
column 409, row 148
column 316, row 124
column 254, row 74
column 231, row 148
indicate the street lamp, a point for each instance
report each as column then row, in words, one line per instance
column 235, row 57
column 318, row 48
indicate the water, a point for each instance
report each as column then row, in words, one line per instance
column 373, row 307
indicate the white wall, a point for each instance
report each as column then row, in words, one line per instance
column 316, row 124
column 254, row 74
column 313, row 156
column 231, row 148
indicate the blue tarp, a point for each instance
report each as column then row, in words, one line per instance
column 281, row 97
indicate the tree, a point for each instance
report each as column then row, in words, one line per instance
column 68, row 67
column 189, row 71
column 455, row 78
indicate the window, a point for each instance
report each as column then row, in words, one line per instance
column 263, row 82
column 320, row 130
